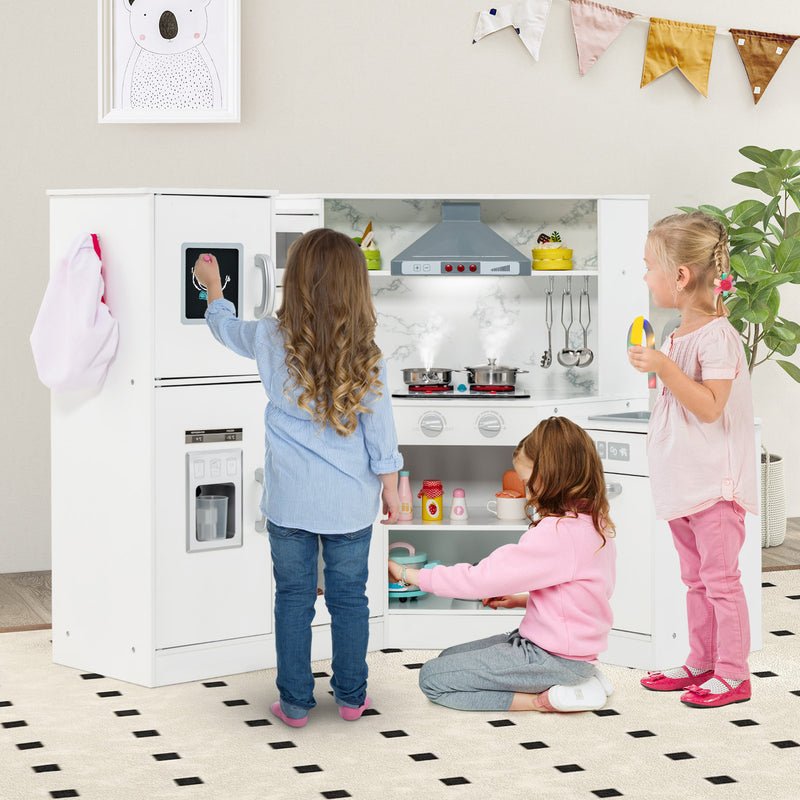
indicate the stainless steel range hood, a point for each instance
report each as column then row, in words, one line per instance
column 461, row 245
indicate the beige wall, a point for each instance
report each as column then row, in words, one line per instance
column 366, row 96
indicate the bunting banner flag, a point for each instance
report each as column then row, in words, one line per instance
column 595, row 26
column 761, row 54
column 684, row 45
column 528, row 18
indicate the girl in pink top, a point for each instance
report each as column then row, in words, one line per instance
column 562, row 568
column 701, row 449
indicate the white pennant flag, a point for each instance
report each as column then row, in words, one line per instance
column 528, row 18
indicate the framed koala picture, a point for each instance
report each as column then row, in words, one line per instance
column 169, row 60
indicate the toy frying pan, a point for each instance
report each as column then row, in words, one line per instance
column 641, row 333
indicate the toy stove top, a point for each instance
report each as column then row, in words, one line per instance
column 446, row 391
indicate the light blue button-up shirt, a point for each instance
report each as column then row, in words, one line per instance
column 315, row 479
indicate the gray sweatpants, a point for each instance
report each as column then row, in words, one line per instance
column 483, row 675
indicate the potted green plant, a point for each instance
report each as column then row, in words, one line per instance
column 764, row 238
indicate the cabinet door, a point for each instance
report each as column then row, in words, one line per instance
column 632, row 514
column 220, row 594
column 235, row 229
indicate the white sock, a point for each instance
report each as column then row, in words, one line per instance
column 678, row 672
column 718, row 687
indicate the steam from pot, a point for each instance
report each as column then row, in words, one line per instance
column 431, row 339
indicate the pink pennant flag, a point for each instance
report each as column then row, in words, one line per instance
column 596, row 26
column 528, row 18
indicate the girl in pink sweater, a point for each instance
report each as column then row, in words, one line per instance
column 561, row 571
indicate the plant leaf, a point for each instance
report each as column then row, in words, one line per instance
column 746, row 179
column 791, row 369
column 747, row 213
column 746, row 237
column 769, row 181
column 761, row 156
column 794, row 193
column 787, row 158
column 749, row 266
column 771, row 209
column 715, row 212
column 786, row 253
column 791, row 225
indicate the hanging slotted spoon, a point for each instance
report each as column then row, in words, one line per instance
column 567, row 357
column 585, row 355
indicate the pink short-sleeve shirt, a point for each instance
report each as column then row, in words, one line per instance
column 695, row 464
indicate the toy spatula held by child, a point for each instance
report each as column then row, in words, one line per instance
column 641, row 333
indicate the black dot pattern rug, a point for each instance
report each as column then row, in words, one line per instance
column 66, row 733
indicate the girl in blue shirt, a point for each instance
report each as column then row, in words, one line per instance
column 331, row 455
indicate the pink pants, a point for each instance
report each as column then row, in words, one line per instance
column 708, row 545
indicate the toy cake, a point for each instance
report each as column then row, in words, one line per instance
column 550, row 253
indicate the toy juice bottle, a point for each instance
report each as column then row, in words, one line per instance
column 404, row 492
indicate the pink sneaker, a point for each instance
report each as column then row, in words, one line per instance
column 699, row 697
column 659, row 682
column 351, row 714
column 275, row 708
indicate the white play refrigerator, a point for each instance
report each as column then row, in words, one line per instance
column 143, row 589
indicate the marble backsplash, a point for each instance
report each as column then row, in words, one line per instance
column 452, row 322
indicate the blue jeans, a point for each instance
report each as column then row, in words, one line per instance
column 295, row 556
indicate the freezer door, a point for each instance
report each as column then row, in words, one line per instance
column 206, row 590
column 236, row 230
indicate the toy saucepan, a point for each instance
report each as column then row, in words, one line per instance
column 416, row 559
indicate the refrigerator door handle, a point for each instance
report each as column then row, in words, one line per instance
column 613, row 489
column 265, row 263
column 261, row 522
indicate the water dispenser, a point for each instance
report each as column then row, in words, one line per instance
column 213, row 493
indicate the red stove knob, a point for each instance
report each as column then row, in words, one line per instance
column 473, row 267
column 448, row 267
column 460, row 267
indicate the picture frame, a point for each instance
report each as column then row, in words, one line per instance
column 169, row 61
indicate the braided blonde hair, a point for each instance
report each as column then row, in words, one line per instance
column 698, row 242
column 328, row 323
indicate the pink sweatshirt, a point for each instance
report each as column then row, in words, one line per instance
column 568, row 576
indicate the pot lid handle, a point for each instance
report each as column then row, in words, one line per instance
column 409, row 547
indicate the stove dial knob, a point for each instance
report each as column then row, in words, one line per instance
column 489, row 424
column 431, row 424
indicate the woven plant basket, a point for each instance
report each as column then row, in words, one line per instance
column 773, row 499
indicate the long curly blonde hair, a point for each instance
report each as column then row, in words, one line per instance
column 328, row 323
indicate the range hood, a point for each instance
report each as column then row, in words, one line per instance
column 460, row 245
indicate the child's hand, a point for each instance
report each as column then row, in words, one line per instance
column 506, row 601
column 395, row 571
column 206, row 270
column 645, row 359
column 390, row 501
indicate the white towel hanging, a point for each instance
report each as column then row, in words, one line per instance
column 74, row 338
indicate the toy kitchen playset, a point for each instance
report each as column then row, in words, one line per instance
column 161, row 569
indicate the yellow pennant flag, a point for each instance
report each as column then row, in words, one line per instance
column 762, row 54
column 679, row 44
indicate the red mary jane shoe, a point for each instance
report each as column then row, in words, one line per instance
column 703, row 698
column 659, row 682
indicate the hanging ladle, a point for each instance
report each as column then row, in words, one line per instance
column 585, row 355
column 567, row 357
column 547, row 356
